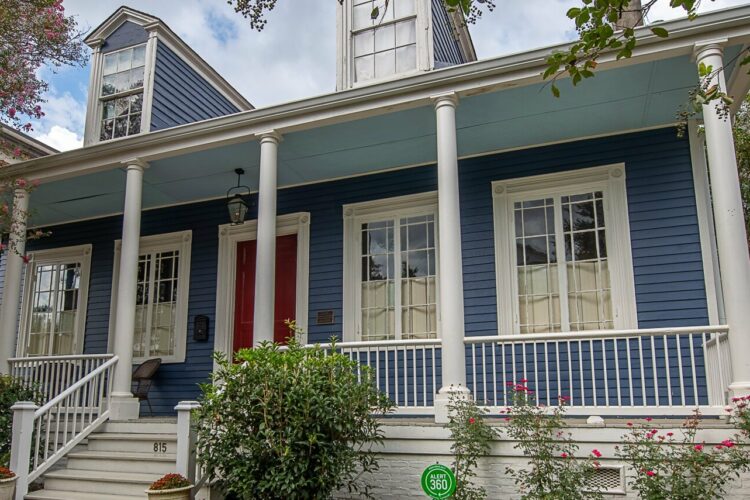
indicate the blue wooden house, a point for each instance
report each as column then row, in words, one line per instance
column 448, row 220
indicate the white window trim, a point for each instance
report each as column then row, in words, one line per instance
column 181, row 241
column 79, row 253
column 611, row 180
column 94, row 105
column 345, row 51
column 231, row 234
column 356, row 214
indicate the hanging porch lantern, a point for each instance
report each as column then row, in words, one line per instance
column 235, row 200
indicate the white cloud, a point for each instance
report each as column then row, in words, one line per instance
column 61, row 138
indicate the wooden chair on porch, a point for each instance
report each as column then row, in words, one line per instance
column 143, row 377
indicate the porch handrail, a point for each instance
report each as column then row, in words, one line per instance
column 597, row 334
column 378, row 343
column 43, row 437
column 50, row 375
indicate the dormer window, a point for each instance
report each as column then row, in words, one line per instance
column 122, row 92
column 386, row 44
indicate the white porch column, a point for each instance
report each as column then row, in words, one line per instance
column 450, row 266
column 124, row 405
column 265, row 257
column 13, row 274
column 731, row 238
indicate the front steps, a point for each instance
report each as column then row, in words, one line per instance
column 118, row 462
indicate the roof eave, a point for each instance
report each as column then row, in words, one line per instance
column 482, row 76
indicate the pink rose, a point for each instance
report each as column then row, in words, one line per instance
column 698, row 447
column 596, row 453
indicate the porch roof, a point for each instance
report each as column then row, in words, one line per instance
column 503, row 105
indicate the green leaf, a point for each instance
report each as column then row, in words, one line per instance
column 555, row 90
column 660, row 32
column 375, row 13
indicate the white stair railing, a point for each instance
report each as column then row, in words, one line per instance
column 41, row 436
column 50, row 375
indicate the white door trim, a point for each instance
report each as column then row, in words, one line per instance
column 231, row 234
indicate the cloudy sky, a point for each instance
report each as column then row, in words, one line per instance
column 294, row 57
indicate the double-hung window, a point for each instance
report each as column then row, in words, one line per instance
column 564, row 261
column 121, row 92
column 384, row 44
column 53, row 315
column 391, row 269
column 161, row 297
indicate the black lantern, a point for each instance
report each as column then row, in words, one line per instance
column 235, row 202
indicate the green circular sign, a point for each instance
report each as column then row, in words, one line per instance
column 438, row 482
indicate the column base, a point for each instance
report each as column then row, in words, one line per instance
column 443, row 399
column 739, row 389
column 124, row 407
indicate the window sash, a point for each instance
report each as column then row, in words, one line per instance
column 177, row 243
column 560, row 297
column 398, row 308
column 46, row 326
column 133, row 117
column 400, row 56
column 149, row 304
column 56, row 285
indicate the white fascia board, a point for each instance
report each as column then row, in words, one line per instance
column 467, row 79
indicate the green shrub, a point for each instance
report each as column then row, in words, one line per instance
column 471, row 440
column 11, row 391
column 554, row 471
column 289, row 424
column 679, row 467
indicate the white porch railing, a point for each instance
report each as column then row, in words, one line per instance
column 658, row 371
column 51, row 375
column 662, row 371
column 41, row 436
column 408, row 371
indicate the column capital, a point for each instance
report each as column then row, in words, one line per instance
column 135, row 163
column 269, row 136
column 446, row 99
column 705, row 48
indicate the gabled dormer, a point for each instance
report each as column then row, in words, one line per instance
column 400, row 38
column 145, row 78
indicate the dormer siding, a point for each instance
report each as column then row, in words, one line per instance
column 127, row 35
column 444, row 38
column 181, row 95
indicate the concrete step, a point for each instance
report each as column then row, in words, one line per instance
column 155, row 444
column 100, row 482
column 121, row 462
column 161, row 426
column 77, row 495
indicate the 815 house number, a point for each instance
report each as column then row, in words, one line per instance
column 160, row 447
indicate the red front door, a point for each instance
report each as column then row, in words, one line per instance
column 286, row 290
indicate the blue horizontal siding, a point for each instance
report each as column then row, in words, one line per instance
column 127, row 35
column 664, row 233
column 181, row 95
column 446, row 49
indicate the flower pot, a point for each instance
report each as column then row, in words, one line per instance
column 7, row 487
column 173, row 494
